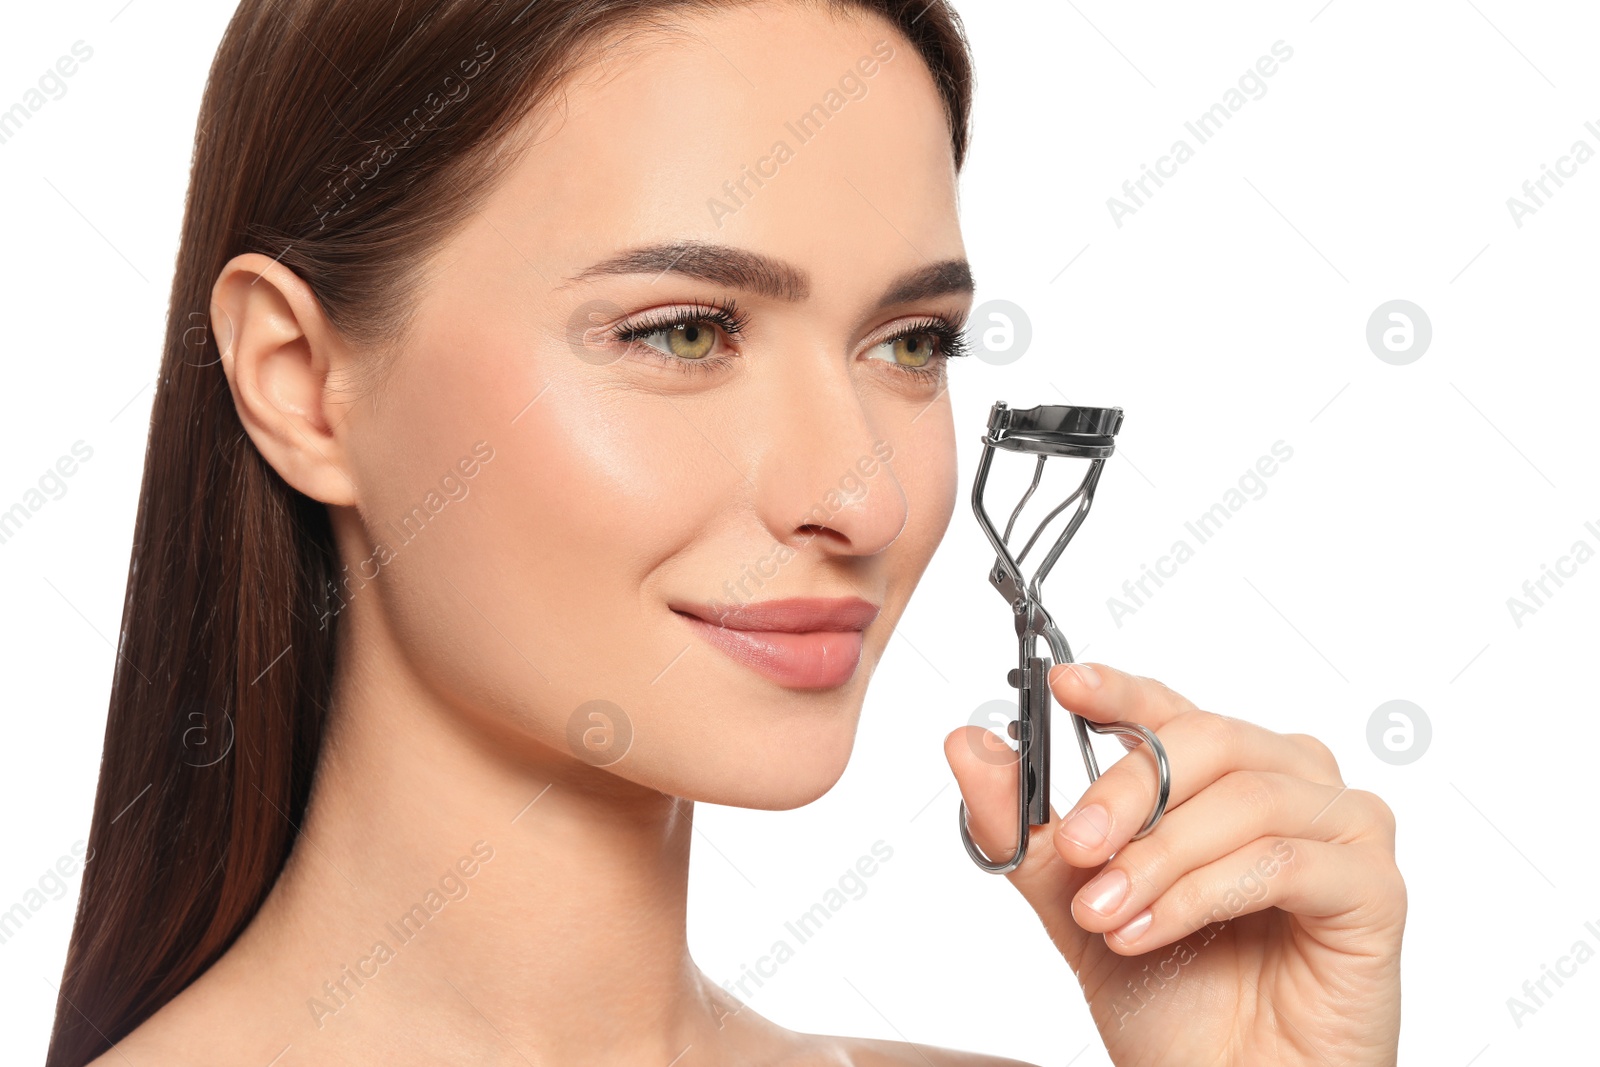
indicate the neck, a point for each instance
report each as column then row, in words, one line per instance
column 449, row 887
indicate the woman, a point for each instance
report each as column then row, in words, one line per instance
column 530, row 326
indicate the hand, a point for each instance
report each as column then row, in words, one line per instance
column 1259, row 923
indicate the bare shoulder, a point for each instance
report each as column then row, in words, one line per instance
column 871, row 1052
column 185, row 1032
column 159, row 1042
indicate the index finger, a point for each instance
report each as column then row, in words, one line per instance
column 1105, row 694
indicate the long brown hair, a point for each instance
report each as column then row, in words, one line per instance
column 344, row 138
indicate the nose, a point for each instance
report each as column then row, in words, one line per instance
column 824, row 474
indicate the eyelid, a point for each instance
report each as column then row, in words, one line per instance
column 725, row 315
column 729, row 321
column 913, row 323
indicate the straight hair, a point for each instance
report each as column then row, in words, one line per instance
column 345, row 139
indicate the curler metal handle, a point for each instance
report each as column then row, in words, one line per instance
column 1047, row 430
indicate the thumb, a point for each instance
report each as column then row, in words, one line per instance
column 986, row 773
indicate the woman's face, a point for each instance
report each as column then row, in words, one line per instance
column 545, row 503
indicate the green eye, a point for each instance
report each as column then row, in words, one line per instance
column 914, row 349
column 686, row 338
column 923, row 348
column 693, row 339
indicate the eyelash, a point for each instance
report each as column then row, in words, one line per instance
column 727, row 317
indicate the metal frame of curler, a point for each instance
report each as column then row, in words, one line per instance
column 1045, row 431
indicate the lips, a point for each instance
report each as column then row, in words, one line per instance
column 796, row 615
column 800, row 643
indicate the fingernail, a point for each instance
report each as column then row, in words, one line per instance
column 1087, row 827
column 1106, row 891
column 1089, row 676
column 1134, row 928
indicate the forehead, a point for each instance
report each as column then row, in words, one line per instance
column 775, row 126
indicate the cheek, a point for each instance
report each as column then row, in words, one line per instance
column 589, row 500
column 531, row 595
column 944, row 475
column 925, row 463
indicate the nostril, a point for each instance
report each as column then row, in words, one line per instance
column 811, row 531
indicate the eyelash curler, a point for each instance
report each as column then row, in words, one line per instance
column 1045, row 431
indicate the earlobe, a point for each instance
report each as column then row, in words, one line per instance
column 277, row 350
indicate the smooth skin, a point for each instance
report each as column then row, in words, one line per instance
column 609, row 481
column 1260, row 921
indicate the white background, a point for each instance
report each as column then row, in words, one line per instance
column 1227, row 314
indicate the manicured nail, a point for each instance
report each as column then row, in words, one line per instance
column 1087, row 827
column 1134, row 928
column 1089, row 676
column 1106, row 891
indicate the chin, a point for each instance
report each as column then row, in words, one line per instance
column 766, row 768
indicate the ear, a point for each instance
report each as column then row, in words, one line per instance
column 278, row 351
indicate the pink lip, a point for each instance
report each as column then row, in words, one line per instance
column 801, row 643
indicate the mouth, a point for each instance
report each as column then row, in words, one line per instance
column 800, row 643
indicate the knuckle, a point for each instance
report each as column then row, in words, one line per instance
column 1396, row 888
column 1126, row 779
column 1377, row 810
column 1316, row 752
column 1129, row 790
column 1217, row 731
column 1166, row 694
column 1255, row 791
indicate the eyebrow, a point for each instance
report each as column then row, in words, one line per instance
column 740, row 268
